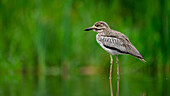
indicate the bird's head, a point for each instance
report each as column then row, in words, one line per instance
column 98, row 27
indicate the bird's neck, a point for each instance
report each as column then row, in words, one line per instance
column 105, row 32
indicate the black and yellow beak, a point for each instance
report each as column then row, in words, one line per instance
column 88, row 29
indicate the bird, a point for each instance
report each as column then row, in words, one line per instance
column 114, row 42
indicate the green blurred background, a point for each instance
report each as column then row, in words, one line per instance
column 44, row 50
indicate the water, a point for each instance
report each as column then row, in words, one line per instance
column 84, row 82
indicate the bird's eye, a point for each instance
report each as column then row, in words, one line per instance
column 97, row 25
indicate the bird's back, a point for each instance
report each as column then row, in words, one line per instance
column 117, row 41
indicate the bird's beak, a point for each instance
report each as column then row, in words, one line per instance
column 91, row 28
column 88, row 29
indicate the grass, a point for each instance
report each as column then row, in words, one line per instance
column 38, row 35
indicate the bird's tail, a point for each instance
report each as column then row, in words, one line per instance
column 142, row 60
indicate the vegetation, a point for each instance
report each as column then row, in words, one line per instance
column 44, row 49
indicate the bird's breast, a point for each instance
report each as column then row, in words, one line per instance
column 100, row 39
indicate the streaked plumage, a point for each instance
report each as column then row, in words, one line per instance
column 113, row 41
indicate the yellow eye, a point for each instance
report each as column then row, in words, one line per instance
column 97, row 25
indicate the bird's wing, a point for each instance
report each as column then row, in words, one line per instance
column 133, row 51
column 121, row 43
column 113, row 43
column 130, row 49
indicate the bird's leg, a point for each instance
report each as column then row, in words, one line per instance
column 111, row 63
column 117, row 62
column 117, row 94
column 110, row 77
